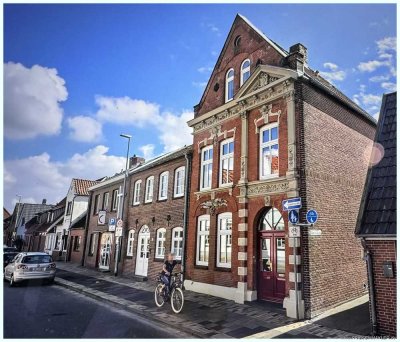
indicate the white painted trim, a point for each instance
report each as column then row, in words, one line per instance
column 292, row 277
column 243, row 71
column 210, row 289
column 149, row 184
column 242, row 227
column 242, row 241
column 242, row 255
column 199, row 219
column 160, row 197
column 242, row 271
column 381, row 238
column 227, row 80
column 269, row 144
column 202, row 163
column 242, row 213
column 222, row 158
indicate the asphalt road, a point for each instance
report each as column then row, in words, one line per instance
column 50, row 311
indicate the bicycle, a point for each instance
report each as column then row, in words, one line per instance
column 175, row 293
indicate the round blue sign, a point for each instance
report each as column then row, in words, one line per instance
column 312, row 216
column 293, row 216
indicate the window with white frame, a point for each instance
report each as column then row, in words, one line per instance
column 229, row 85
column 226, row 163
column 136, row 192
column 131, row 238
column 244, row 71
column 179, row 185
column 160, row 243
column 149, row 189
column 269, row 151
column 163, row 186
column 96, row 205
column 114, row 200
column 106, row 196
column 206, row 167
column 177, row 242
column 203, row 236
column 224, row 240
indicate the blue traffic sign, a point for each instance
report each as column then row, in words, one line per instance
column 291, row 204
column 112, row 221
column 293, row 216
column 312, row 216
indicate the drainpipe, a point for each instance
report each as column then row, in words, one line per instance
column 368, row 259
column 188, row 158
column 86, row 228
column 69, row 230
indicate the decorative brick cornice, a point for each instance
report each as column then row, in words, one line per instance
column 265, row 188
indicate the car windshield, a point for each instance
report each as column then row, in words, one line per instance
column 36, row 259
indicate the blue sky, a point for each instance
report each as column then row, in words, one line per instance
column 106, row 69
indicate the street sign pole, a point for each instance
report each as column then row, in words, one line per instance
column 295, row 276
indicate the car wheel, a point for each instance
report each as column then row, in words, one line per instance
column 12, row 282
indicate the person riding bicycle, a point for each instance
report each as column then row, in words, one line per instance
column 167, row 269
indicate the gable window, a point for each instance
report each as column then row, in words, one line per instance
column 206, row 167
column 244, row 71
column 69, row 208
column 96, row 204
column 106, row 197
column 177, row 242
column 149, row 189
column 226, row 162
column 129, row 246
column 224, row 248
column 160, row 243
column 179, row 186
column 163, row 186
column 229, row 85
column 136, row 192
column 114, row 200
column 269, row 151
column 203, row 234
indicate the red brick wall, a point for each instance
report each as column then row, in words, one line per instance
column 385, row 288
column 76, row 255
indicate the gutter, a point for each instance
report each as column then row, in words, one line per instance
column 188, row 157
column 368, row 259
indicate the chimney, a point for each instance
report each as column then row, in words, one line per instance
column 297, row 57
column 135, row 161
column 44, row 201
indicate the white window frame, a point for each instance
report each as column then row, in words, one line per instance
column 267, row 144
column 162, row 239
column 229, row 79
column 180, row 193
column 149, row 193
column 105, row 203
column 178, row 239
column 136, row 192
column 96, row 204
column 202, row 218
column 129, row 245
column 163, row 176
column 202, row 164
column 244, row 71
column 223, row 216
column 114, row 204
column 226, row 157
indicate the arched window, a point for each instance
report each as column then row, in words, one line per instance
column 131, row 238
column 179, row 186
column 244, row 71
column 177, row 242
column 272, row 220
column 160, row 243
column 136, row 192
column 149, row 189
column 163, row 186
column 229, row 85
column 224, row 248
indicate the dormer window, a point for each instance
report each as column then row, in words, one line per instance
column 244, row 71
column 229, row 85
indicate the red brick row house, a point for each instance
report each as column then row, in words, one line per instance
column 154, row 216
column 376, row 224
column 268, row 128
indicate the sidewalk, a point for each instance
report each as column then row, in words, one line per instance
column 203, row 316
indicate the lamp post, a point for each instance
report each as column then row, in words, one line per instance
column 118, row 241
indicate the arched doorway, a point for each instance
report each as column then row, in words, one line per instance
column 271, row 256
column 142, row 257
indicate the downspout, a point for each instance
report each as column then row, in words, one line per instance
column 86, row 228
column 368, row 259
column 69, row 230
column 188, row 157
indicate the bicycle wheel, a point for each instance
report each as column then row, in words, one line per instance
column 158, row 295
column 177, row 300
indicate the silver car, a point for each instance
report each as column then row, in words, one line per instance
column 30, row 266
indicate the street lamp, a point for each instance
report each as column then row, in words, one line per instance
column 121, row 212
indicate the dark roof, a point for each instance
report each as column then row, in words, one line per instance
column 82, row 186
column 377, row 214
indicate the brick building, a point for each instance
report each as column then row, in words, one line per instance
column 153, row 216
column 268, row 128
column 376, row 224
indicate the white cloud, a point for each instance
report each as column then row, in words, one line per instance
column 204, row 69
column 389, row 86
column 371, row 66
column 124, row 110
column 32, row 98
column 200, row 85
column 85, row 129
column 334, row 74
column 50, row 179
column 148, row 151
column 379, row 78
column 370, row 99
column 386, row 44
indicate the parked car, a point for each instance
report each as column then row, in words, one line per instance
column 30, row 266
column 8, row 257
column 7, row 249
